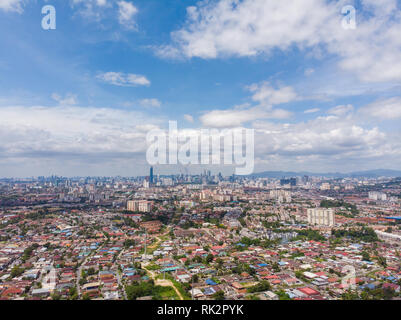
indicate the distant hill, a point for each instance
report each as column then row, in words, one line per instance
column 368, row 174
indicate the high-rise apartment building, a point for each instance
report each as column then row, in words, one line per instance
column 139, row 206
column 321, row 217
column 377, row 196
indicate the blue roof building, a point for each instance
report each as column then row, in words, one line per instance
column 210, row 282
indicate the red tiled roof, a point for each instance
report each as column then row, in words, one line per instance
column 308, row 291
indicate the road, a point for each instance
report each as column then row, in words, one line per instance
column 120, row 283
column 79, row 276
column 80, row 269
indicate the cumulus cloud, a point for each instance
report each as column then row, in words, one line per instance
column 124, row 79
column 103, row 137
column 99, row 9
column 189, row 118
column 382, row 7
column 126, row 13
column 227, row 28
column 154, row 103
column 385, row 109
column 322, row 139
column 339, row 140
column 239, row 116
column 68, row 100
column 72, row 140
column 265, row 96
column 264, row 93
column 11, row 5
column 323, row 143
column 72, row 130
column 100, row 3
column 249, row 27
column 91, row 9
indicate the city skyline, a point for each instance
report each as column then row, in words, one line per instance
column 387, row 173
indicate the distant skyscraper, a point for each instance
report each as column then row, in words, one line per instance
column 151, row 175
column 292, row 182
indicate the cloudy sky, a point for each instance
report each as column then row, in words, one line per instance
column 79, row 100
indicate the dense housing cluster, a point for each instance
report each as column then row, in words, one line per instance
column 200, row 237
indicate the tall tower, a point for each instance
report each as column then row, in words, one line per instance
column 151, row 175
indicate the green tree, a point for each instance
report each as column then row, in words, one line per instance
column 73, row 293
column 382, row 261
column 260, row 287
column 365, row 256
column 209, row 258
column 86, row 296
column 16, row 271
column 219, row 295
column 56, row 296
column 195, row 278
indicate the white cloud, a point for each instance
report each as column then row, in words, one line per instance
column 91, row 9
column 189, row 118
column 247, row 28
column 250, row 27
column 124, row 79
column 341, row 110
column 71, row 140
column 313, row 110
column 324, row 143
column 264, row 93
column 11, row 5
column 105, row 139
column 385, row 109
column 68, row 100
column 126, row 13
column 154, row 103
column 382, row 7
column 72, row 130
column 322, row 139
column 100, row 3
column 238, row 116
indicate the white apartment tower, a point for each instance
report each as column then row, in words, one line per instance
column 321, row 217
column 139, row 205
column 373, row 195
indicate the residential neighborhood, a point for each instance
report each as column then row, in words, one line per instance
column 199, row 238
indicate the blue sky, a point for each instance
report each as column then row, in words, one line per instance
column 79, row 100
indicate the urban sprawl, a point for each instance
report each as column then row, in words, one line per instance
column 200, row 237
